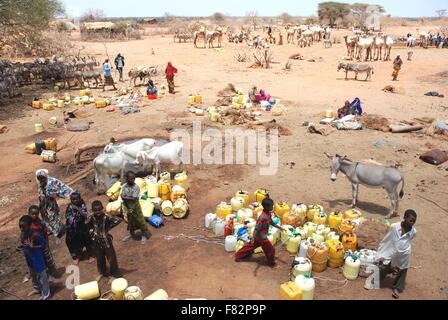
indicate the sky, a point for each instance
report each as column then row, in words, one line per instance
column 148, row 8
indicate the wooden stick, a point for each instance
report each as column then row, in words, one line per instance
column 403, row 129
column 81, row 175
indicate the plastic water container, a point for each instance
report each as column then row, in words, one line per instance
column 306, row 283
column 290, row 291
column 237, row 203
column 244, row 214
column 158, row 295
column 38, row 127
column 301, row 266
column 304, row 247
column 133, row 293
column 367, row 258
column 245, row 195
column 351, row 267
column 87, row 291
column 118, row 288
column 209, row 218
column 293, row 244
column 167, row 207
column 230, row 243
column 219, row 228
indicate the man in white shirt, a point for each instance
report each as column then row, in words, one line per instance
column 394, row 251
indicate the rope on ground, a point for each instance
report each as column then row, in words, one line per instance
column 197, row 238
column 433, row 202
column 331, row 280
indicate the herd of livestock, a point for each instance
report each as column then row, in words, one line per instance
column 75, row 72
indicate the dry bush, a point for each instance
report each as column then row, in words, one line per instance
column 262, row 59
column 242, row 56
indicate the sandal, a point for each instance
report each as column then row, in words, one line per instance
column 395, row 294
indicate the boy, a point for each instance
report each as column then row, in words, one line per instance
column 38, row 226
column 32, row 243
column 77, row 237
column 394, row 251
column 261, row 235
column 99, row 226
column 130, row 193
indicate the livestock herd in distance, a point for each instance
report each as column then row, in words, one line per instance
column 81, row 71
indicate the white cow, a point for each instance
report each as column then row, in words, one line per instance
column 171, row 152
column 109, row 167
column 116, row 160
column 131, row 149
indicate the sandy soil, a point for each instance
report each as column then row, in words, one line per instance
column 186, row 268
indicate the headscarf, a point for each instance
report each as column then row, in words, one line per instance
column 75, row 195
column 41, row 173
column 170, row 71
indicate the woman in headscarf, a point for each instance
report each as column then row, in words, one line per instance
column 397, row 67
column 49, row 190
column 151, row 89
column 169, row 73
column 77, row 237
column 108, row 80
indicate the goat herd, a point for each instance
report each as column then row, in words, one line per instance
column 71, row 72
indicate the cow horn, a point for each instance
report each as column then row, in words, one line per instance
column 328, row 156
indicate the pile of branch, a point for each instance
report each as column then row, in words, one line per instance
column 262, row 59
column 228, row 91
column 231, row 116
column 375, row 122
column 296, row 56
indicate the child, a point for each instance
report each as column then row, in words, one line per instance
column 130, row 193
column 99, row 226
column 38, row 226
column 77, row 237
column 394, row 251
column 261, row 235
column 32, row 243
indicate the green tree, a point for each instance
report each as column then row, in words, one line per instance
column 22, row 23
column 219, row 17
column 285, row 17
column 32, row 13
column 332, row 11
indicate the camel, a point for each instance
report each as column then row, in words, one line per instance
column 317, row 33
column 327, row 34
column 351, row 45
column 290, row 32
column 364, row 44
column 202, row 33
column 378, row 44
column 424, row 37
column 212, row 35
column 388, row 43
column 308, row 35
column 302, row 42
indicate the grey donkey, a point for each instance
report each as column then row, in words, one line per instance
column 370, row 175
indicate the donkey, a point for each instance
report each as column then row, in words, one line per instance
column 369, row 175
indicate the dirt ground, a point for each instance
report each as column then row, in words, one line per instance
column 187, row 268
